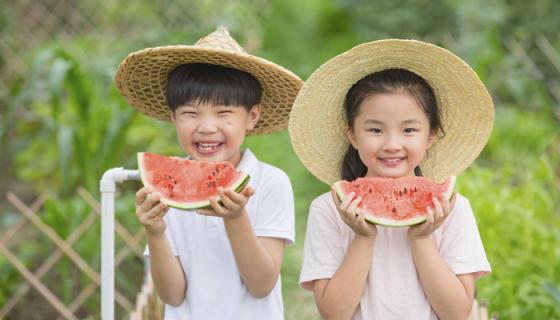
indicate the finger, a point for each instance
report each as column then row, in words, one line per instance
column 453, row 199
column 238, row 198
column 156, row 212
column 248, row 191
column 446, row 206
column 206, row 212
column 438, row 210
column 352, row 208
column 430, row 218
column 226, row 197
column 344, row 204
column 152, row 199
column 141, row 195
column 335, row 197
column 216, row 206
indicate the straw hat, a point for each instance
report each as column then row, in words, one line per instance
column 317, row 123
column 142, row 77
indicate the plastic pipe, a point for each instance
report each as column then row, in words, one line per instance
column 107, row 186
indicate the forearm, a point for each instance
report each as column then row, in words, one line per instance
column 447, row 295
column 257, row 266
column 166, row 271
column 341, row 294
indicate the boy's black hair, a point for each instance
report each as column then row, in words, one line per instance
column 201, row 83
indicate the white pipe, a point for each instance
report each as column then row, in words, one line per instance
column 107, row 186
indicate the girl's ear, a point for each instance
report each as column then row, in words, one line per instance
column 352, row 137
column 253, row 117
column 432, row 139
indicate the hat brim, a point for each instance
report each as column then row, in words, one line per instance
column 317, row 123
column 142, row 79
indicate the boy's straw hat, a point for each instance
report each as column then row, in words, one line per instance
column 142, row 77
column 317, row 123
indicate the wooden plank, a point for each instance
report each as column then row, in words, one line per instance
column 44, row 291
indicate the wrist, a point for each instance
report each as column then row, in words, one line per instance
column 418, row 240
column 237, row 216
column 364, row 238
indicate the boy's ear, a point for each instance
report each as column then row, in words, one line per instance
column 351, row 137
column 254, row 116
column 172, row 116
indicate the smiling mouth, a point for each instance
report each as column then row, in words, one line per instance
column 208, row 147
column 391, row 161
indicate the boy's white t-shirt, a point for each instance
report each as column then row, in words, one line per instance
column 215, row 289
column 393, row 289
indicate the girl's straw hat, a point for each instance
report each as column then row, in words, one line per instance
column 142, row 77
column 317, row 123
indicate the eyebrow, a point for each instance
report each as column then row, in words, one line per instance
column 408, row 121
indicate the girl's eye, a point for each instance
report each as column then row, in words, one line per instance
column 410, row 130
column 374, row 130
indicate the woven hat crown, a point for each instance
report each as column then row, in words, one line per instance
column 220, row 39
column 142, row 77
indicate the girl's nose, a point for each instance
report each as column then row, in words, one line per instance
column 392, row 144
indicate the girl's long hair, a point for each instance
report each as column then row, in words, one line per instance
column 383, row 82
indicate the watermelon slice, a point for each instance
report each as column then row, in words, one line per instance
column 397, row 202
column 188, row 184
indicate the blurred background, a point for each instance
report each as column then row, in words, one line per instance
column 62, row 124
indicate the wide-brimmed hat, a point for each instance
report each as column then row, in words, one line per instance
column 142, row 77
column 317, row 123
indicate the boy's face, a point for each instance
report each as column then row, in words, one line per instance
column 214, row 133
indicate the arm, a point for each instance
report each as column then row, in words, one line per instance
column 166, row 271
column 450, row 296
column 259, row 259
column 339, row 296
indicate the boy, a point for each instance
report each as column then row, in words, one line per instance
column 221, row 263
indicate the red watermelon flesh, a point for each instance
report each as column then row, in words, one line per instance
column 188, row 184
column 397, row 202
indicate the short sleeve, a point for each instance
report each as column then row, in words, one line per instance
column 324, row 248
column 275, row 212
column 461, row 246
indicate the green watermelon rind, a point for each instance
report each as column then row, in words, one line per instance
column 392, row 223
column 237, row 186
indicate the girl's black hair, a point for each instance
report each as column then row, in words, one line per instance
column 386, row 81
column 201, row 83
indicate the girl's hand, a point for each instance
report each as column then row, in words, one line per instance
column 436, row 216
column 150, row 211
column 231, row 204
column 353, row 216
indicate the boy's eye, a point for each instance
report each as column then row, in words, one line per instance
column 374, row 130
column 188, row 113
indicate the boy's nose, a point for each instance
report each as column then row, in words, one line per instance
column 206, row 125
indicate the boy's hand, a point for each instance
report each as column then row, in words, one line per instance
column 353, row 216
column 231, row 204
column 150, row 211
column 436, row 216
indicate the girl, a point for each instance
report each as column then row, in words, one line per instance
column 399, row 108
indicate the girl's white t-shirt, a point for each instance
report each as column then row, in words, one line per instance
column 393, row 289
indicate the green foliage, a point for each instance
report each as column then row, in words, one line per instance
column 64, row 125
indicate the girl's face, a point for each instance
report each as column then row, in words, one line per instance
column 391, row 133
column 214, row 133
